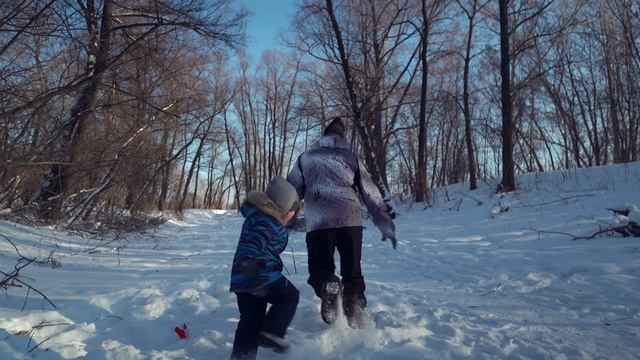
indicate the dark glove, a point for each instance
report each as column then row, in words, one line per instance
column 390, row 211
column 249, row 267
column 393, row 240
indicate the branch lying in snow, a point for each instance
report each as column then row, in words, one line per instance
column 628, row 215
column 31, row 332
column 38, row 344
column 13, row 278
column 555, row 201
column 625, row 230
column 493, row 290
column 459, row 201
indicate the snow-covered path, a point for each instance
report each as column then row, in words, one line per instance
column 467, row 281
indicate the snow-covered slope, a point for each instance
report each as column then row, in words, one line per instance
column 477, row 276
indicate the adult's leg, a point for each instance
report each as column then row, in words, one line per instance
column 252, row 313
column 349, row 244
column 284, row 297
column 320, row 250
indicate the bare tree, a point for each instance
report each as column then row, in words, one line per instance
column 508, row 175
column 430, row 14
column 218, row 25
column 471, row 10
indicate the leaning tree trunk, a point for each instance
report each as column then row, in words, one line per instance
column 49, row 195
column 166, row 171
column 236, row 186
column 374, row 166
column 196, row 160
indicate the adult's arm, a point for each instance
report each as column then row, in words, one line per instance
column 375, row 204
column 296, row 178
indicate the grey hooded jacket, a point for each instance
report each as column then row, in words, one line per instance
column 331, row 181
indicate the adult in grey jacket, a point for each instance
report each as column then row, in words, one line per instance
column 333, row 182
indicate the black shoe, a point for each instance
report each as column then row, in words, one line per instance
column 331, row 290
column 353, row 307
column 273, row 342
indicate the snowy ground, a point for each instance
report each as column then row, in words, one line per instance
column 467, row 281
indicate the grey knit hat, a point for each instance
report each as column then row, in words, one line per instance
column 282, row 193
column 336, row 126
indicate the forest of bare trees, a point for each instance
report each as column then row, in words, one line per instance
column 136, row 106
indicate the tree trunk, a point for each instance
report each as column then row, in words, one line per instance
column 465, row 102
column 196, row 160
column 370, row 160
column 183, row 169
column 49, row 195
column 166, row 173
column 236, row 186
column 421, row 171
column 508, row 172
column 195, row 188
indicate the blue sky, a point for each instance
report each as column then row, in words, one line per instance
column 267, row 19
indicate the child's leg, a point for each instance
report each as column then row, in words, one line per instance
column 252, row 313
column 283, row 296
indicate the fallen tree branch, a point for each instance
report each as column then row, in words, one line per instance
column 13, row 278
column 42, row 324
column 625, row 230
column 40, row 343
column 556, row 201
column 495, row 289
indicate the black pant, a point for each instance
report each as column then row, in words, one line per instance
column 321, row 245
column 283, row 297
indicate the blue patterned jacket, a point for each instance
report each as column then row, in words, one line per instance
column 262, row 239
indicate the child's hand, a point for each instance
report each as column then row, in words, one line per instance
column 249, row 267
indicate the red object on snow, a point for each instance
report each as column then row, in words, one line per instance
column 181, row 331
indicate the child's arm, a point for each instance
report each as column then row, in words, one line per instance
column 255, row 243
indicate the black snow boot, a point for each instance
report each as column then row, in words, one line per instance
column 273, row 342
column 331, row 290
column 353, row 307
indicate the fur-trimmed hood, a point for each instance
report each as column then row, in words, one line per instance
column 266, row 205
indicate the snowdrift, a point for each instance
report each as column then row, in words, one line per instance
column 477, row 275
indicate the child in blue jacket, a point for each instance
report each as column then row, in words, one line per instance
column 256, row 274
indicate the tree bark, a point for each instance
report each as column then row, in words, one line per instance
column 421, row 171
column 508, row 173
column 236, row 186
column 465, row 100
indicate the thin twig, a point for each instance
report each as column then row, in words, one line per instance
column 14, row 245
column 26, row 297
column 14, row 278
column 574, row 237
column 33, row 329
column 44, row 325
column 456, row 205
column 493, row 290
column 40, row 343
column 469, row 196
column 555, row 201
